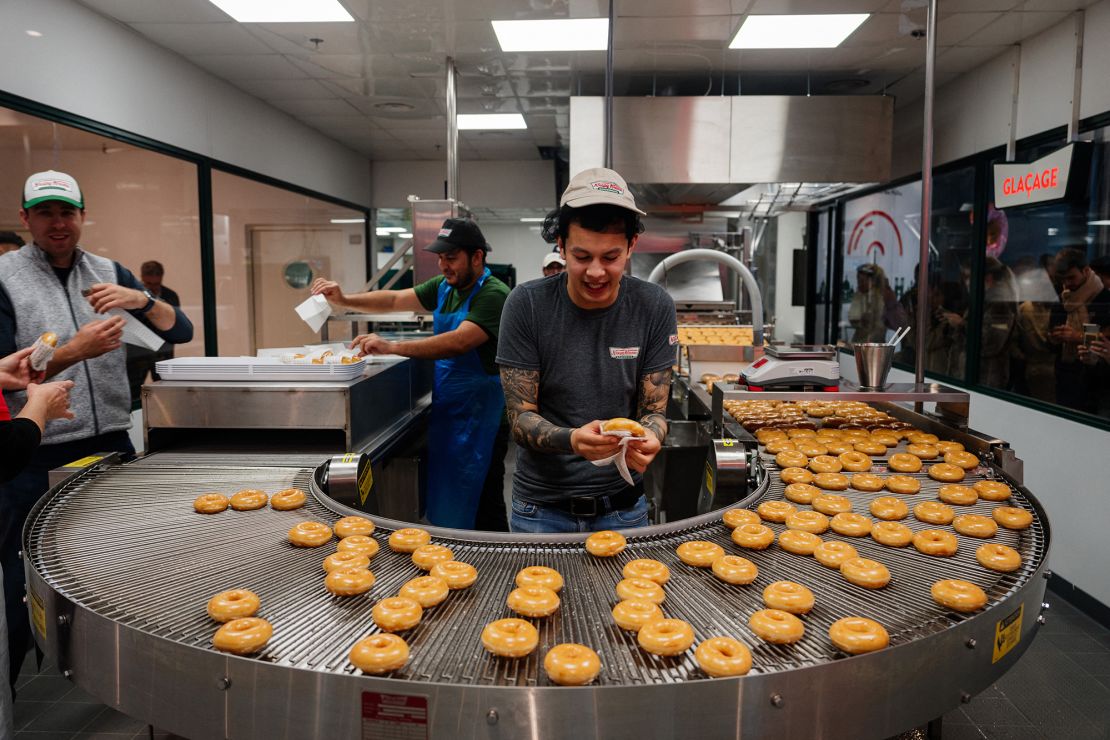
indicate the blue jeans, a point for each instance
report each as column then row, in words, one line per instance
column 529, row 517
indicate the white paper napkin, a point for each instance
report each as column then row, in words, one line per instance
column 618, row 459
column 314, row 312
column 136, row 332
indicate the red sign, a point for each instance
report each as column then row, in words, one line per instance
column 1035, row 182
column 1031, row 182
column 394, row 716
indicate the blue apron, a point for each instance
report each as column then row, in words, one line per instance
column 467, row 403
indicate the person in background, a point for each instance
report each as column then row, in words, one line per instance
column 996, row 350
column 10, row 241
column 553, row 264
column 468, row 435
column 874, row 307
column 1094, row 352
column 1037, row 367
column 141, row 360
column 1083, row 296
column 54, row 285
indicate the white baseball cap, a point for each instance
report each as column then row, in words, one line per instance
column 596, row 186
column 52, row 185
column 553, row 258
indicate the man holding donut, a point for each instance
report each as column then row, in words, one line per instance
column 577, row 349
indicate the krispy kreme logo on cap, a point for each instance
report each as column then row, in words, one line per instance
column 444, row 232
column 607, row 186
column 52, row 185
column 624, row 353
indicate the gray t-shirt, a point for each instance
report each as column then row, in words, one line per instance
column 590, row 365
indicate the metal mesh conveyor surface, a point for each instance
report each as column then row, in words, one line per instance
column 125, row 543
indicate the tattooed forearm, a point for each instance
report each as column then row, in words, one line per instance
column 655, row 389
column 522, row 389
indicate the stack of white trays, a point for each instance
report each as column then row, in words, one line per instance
column 255, row 368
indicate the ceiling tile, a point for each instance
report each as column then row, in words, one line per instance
column 635, row 32
column 958, row 27
column 158, row 11
column 1014, row 27
column 775, row 7
column 335, row 38
column 190, row 39
column 249, row 66
column 308, row 107
column 671, row 9
column 286, row 89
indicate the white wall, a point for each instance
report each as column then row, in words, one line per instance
column 1066, row 468
column 94, row 67
column 482, row 184
column 518, row 244
column 789, row 320
column 972, row 113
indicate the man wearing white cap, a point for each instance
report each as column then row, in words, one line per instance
column 53, row 285
column 581, row 347
column 553, row 264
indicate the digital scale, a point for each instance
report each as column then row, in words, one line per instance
column 796, row 365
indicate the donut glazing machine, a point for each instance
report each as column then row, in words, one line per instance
column 120, row 568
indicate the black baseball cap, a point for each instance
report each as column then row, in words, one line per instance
column 458, row 233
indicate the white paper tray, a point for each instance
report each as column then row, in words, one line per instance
column 254, row 368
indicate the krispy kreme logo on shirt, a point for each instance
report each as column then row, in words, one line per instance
column 624, row 353
column 672, row 339
column 607, row 186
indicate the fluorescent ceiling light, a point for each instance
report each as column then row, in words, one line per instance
column 348, row 220
column 405, row 235
column 1098, row 223
column 530, row 220
column 284, row 11
column 383, row 232
column 563, row 34
column 33, row 34
column 393, row 229
column 824, row 31
column 490, row 121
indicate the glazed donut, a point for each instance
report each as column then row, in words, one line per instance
column 349, row 526
column 652, row 570
column 242, row 636
column 946, row 473
column 808, row 521
column 903, row 484
column 607, row 543
column 903, row 462
column 961, row 459
column 775, row 446
column 801, row 493
column 851, row 525
column 788, row 597
column 886, row 439
column 532, row 601
column 621, row 424
column 753, row 536
column 640, row 589
column 957, row 495
column 870, row 447
column 856, row 635
column 831, row 481
column 867, row 482
column 891, row 534
column 833, row 553
column 832, row 504
column 946, row 447
column 632, row 614
column 933, row 512
column 839, row 447
column 723, row 656
column 923, row 451
column 865, row 572
column 992, row 490
column 776, row 626
column 666, row 637
column 510, row 638
column 775, row 511
column 825, row 464
column 855, row 462
column 889, row 508
column 210, row 503
column 734, row 518
column 341, row 559
column 456, row 575
column 379, row 653
column 919, row 437
column 791, row 459
column 998, row 557
column 235, row 604
column 1012, row 517
column 289, row 499
column 936, row 542
column 425, row 557
column 798, row 542
column 811, row 448
column 795, row 475
column 571, row 664
column 768, row 435
column 397, row 613
column 959, row 596
column 735, row 570
column 360, row 544
column 974, row 525
column 408, row 539
column 310, row 534
column 800, row 431
column 249, row 500
column 699, row 553
column 428, row 591
column 349, row 581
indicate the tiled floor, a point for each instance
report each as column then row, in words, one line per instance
column 1059, row 690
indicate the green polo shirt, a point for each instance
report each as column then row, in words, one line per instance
column 485, row 311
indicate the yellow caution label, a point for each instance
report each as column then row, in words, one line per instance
column 365, row 482
column 349, row 457
column 708, row 478
column 84, row 462
column 728, row 442
column 38, row 615
column 1007, row 634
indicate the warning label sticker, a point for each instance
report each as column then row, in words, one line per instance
column 1007, row 634
column 394, row 716
column 38, row 615
column 365, row 483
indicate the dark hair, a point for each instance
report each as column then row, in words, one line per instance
column 1101, row 265
column 600, row 218
column 153, row 267
column 1070, row 257
column 10, row 237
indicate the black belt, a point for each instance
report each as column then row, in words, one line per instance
column 598, row 505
